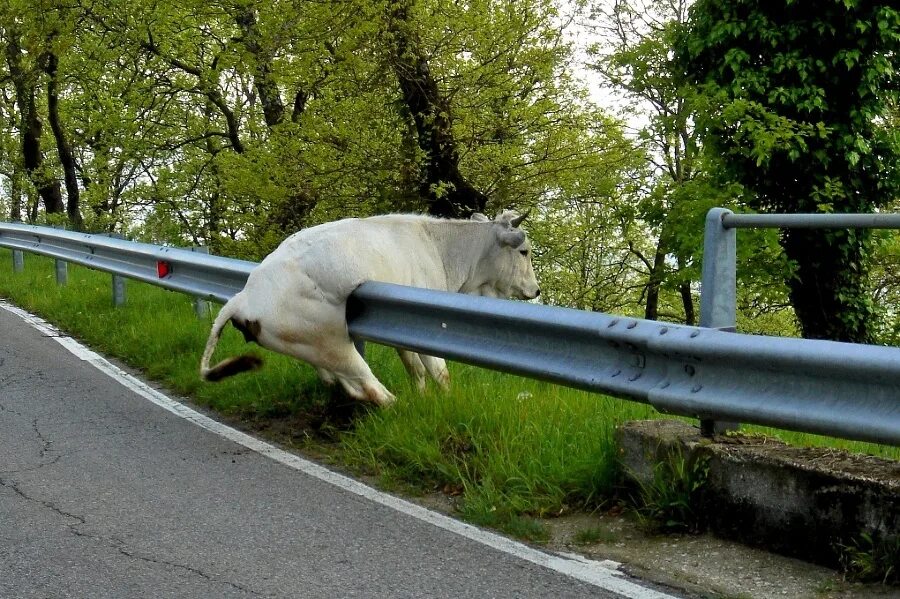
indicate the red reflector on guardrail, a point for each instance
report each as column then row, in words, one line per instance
column 163, row 269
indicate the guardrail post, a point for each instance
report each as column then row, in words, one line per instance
column 62, row 272
column 201, row 306
column 118, row 282
column 718, row 290
column 62, row 268
column 18, row 260
column 118, row 289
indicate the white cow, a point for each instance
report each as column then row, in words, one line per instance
column 295, row 301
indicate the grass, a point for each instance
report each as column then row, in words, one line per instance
column 673, row 500
column 868, row 559
column 510, row 450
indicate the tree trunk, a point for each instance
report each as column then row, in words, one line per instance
column 15, row 197
column 34, row 201
column 213, row 222
column 66, row 159
column 31, row 128
column 687, row 298
column 266, row 87
column 445, row 189
column 651, row 310
column 830, row 280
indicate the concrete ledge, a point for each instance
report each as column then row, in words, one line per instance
column 795, row 501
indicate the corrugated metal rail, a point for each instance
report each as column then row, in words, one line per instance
column 837, row 389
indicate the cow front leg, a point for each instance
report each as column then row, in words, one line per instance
column 437, row 368
column 414, row 367
column 326, row 376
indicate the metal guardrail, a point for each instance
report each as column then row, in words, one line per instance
column 837, row 389
column 718, row 298
column 194, row 273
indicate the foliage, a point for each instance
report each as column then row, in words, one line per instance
column 635, row 38
column 231, row 124
column 799, row 107
column 884, row 281
column 871, row 559
column 672, row 500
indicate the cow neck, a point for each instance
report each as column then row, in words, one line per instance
column 462, row 245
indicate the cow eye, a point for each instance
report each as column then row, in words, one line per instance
column 523, row 252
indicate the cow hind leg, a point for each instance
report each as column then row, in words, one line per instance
column 357, row 379
column 344, row 364
column 318, row 336
column 341, row 363
column 414, row 367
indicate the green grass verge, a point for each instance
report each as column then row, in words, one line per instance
column 511, row 449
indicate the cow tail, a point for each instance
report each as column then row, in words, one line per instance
column 229, row 366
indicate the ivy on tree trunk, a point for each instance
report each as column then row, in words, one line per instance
column 799, row 106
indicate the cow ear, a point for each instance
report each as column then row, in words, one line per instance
column 511, row 237
column 479, row 217
column 504, row 217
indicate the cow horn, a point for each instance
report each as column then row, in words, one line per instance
column 518, row 220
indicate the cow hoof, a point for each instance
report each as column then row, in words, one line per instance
column 378, row 395
column 386, row 401
column 444, row 380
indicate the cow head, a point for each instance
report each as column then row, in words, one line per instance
column 507, row 265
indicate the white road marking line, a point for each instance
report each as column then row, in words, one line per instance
column 600, row 574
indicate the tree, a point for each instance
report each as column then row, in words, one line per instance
column 633, row 58
column 447, row 191
column 231, row 123
column 800, row 95
column 24, row 73
column 50, row 60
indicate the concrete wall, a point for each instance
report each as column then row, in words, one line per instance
column 795, row 501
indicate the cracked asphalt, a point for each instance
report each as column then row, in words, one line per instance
column 103, row 494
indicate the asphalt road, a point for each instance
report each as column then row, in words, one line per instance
column 106, row 494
